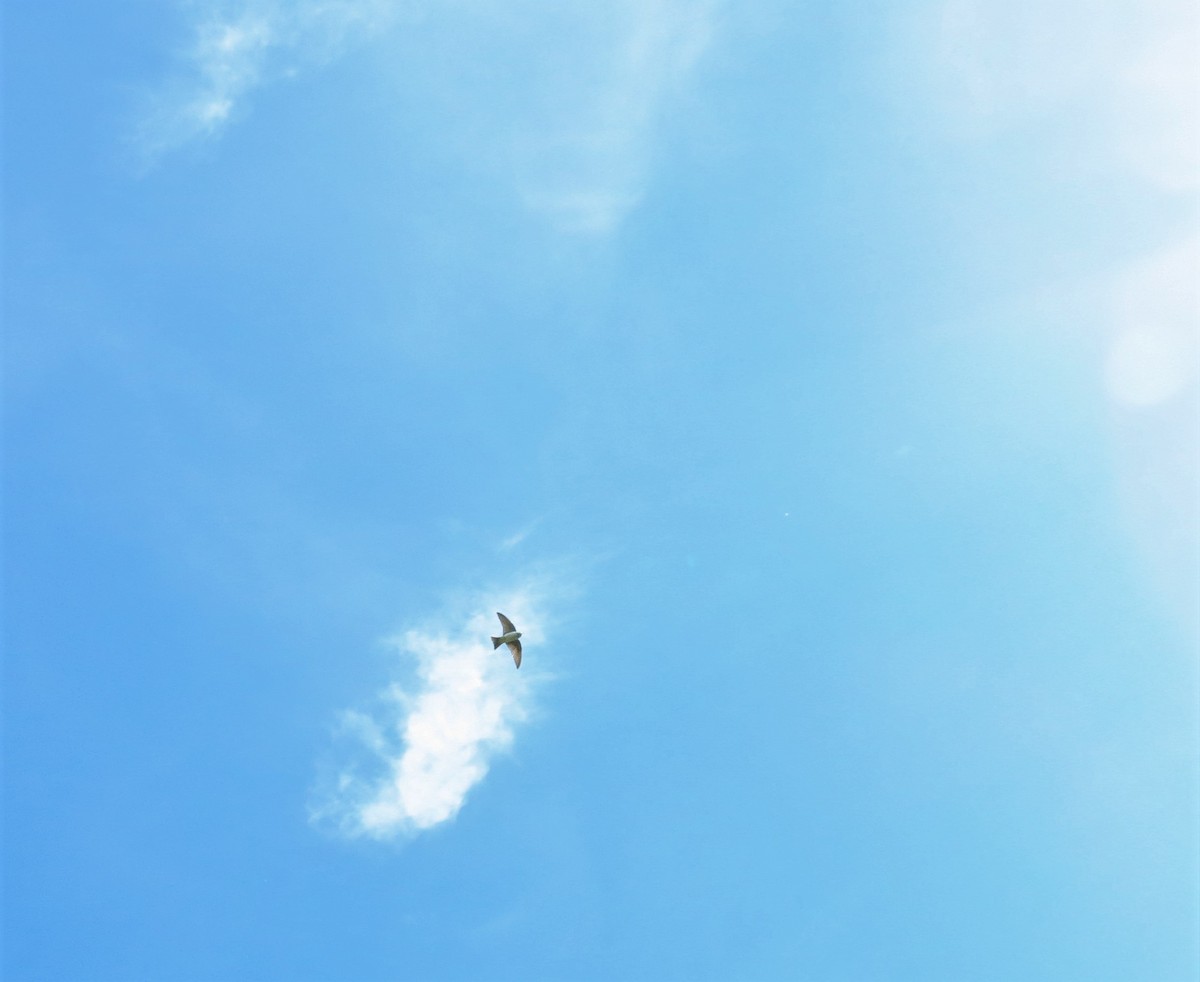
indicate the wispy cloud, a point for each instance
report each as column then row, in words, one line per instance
column 1123, row 81
column 519, row 536
column 1126, row 71
column 237, row 47
column 408, row 764
column 588, row 166
column 566, row 99
column 1156, row 342
column 1127, row 74
column 1152, row 371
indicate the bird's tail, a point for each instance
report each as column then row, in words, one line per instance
column 496, row 642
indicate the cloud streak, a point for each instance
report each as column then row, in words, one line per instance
column 588, row 167
column 409, row 764
column 235, row 49
column 564, row 99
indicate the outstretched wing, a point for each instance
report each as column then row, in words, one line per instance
column 515, row 648
column 505, row 623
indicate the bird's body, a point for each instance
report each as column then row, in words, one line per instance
column 510, row 637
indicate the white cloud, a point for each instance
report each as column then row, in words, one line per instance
column 1122, row 82
column 586, row 164
column 1158, row 102
column 1127, row 75
column 1127, row 70
column 410, row 763
column 237, row 47
column 564, row 99
column 1152, row 373
column 1000, row 61
column 519, row 536
column 1156, row 341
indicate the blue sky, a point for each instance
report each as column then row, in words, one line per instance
column 817, row 388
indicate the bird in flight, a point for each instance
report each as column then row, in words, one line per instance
column 510, row 637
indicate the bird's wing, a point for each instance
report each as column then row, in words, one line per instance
column 505, row 623
column 515, row 648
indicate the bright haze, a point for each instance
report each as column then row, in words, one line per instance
column 814, row 385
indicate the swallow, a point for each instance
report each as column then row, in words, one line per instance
column 510, row 637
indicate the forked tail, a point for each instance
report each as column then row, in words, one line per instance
column 496, row 642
